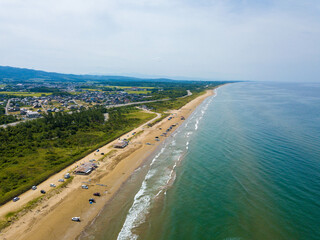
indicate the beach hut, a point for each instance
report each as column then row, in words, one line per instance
column 85, row 168
column 121, row 144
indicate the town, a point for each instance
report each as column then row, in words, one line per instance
column 32, row 100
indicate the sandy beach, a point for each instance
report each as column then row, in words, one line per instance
column 51, row 218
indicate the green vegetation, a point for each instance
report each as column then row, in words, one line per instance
column 34, row 150
column 140, row 114
column 5, row 119
column 138, row 92
column 27, row 94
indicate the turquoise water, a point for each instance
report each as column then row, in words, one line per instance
column 245, row 165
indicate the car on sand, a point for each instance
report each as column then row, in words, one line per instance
column 15, row 199
column 76, row 219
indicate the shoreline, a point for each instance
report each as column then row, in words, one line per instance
column 121, row 188
column 51, row 219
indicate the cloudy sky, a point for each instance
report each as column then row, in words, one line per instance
column 266, row 40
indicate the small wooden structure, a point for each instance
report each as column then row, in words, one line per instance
column 121, row 144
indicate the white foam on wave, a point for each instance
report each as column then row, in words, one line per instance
column 157, row 156
column 161, row 177
column 196, row 125
column 139, row 206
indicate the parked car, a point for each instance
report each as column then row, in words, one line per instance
column 85, row 187
column 52, row 185
column 15, row 199
column 92, row 200
column 76, row 219
column 61, row 180
column 43, row 191
column 97, row 194
column 67, row 175
column 34, row 188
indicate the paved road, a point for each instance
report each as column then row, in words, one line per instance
column 16, row 123
column 134, row 103
column 189, row 93
column 7, row 106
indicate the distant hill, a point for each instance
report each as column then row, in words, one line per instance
column 13, row 74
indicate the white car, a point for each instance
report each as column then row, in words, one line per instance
column 34, row 188
column 85, row 187
column 76, row 219
column 52, row 185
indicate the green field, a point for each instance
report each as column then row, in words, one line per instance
column 92, row 89
column 126, row 87
column 138, row 92
column 144, row 116
column 26, row 94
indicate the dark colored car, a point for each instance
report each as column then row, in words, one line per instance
column 43, row 191
column 92, row 200
column 97, row 194
column 15, row 199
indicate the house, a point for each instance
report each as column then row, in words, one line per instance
column 31, row 114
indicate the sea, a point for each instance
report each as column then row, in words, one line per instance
column 244, row 165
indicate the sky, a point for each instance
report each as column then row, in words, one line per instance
column 259, row 40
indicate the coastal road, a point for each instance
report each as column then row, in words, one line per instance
column 135, row 103
column 16, row 123
column 189, row 93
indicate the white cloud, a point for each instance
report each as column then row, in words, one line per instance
column 269, row 40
